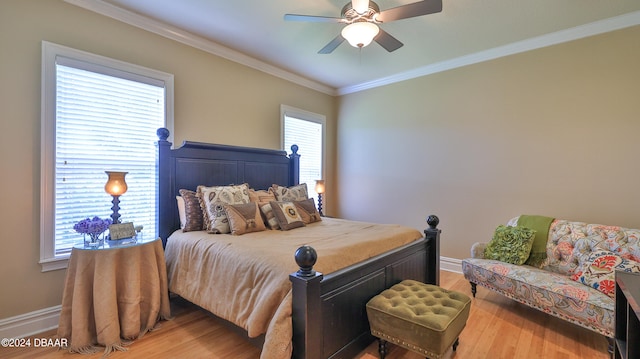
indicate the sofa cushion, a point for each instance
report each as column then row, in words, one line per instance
column 564, row 236
column 510, row 244
column 549, row 292
column 597, row 270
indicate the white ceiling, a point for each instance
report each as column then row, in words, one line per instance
column 466, row 31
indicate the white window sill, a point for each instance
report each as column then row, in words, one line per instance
column 54, row 264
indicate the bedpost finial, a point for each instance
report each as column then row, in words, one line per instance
column 306, row 257
column 433, row 221
column 294, row 149
column 162, row 133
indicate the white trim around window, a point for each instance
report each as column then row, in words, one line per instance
column 53, row 54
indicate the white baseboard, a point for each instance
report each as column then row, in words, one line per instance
column 451, row 264
column 28, row 324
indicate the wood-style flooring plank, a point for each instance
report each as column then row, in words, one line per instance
column 498, row 328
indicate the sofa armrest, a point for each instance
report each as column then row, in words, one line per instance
column 477, row 250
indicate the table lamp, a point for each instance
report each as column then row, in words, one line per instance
column 320, row 191
column 115, row 186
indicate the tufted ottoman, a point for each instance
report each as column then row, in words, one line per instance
column 420, row 317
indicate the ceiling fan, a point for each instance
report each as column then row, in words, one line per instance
column 362, row 18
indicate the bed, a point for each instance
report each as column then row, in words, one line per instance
column 319, row 306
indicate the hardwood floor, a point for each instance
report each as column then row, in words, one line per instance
column 497, row 328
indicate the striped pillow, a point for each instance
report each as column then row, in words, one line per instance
column 193, row 212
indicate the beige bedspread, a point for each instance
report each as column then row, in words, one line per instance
column 245, row 279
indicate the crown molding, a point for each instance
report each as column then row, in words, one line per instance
column 187, row 38
column 575, row 33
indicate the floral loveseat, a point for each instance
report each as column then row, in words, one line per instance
column 575, row 282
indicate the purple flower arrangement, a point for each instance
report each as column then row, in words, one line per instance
column 92, row 226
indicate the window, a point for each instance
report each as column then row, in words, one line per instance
column 305, row 129
column 98, row 114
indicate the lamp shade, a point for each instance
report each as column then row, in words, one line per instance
column 115, row 185
column 319, row 186
column 360, row 34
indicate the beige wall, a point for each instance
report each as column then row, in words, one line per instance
column 215, row 101
column 553, row 131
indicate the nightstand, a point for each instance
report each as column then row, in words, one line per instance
column 116, row 292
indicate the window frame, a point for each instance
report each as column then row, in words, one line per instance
column 289, row 111
column 97, row 63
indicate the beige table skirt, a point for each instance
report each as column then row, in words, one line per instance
column 112, row 296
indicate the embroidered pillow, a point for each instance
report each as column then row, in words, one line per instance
column 307, row 210
column 293, row 193
column 244, row 218
column 510, row 244
column 287, row 215
column 597, row 270
column 193, row 220
column 212, row 201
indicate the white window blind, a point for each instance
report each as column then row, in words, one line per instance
column 98, row 115
column 307, row 131
column 103, row 123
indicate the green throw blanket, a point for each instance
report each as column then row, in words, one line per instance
column 541, row 225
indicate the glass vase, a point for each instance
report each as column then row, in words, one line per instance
column 93, row 240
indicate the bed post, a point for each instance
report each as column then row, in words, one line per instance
column 294, row 166
column 306, row 306
column 163, row 219
column 432, row 235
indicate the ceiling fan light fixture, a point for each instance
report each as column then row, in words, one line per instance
column 360, row 34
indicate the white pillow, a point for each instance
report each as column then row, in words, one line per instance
column 181, row 211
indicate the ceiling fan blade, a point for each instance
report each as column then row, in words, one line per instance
column 418, row 8
column 311, row 18
column 332, row 45
column 387, row 41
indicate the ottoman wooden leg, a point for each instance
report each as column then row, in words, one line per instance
column 455, row 344
column 382, row 348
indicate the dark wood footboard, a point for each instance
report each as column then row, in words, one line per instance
column 329, row 315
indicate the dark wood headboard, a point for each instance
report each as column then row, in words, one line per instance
column 196, row 163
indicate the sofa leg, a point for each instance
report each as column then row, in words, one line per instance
column 382, row 348
column 455, row 344
column 473, row 288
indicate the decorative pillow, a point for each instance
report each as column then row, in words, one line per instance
column 212, row 201
column 597, row 270
column 244, row 218
column 293, row 193
column 268, row 216
column 193, row 220
column 181, row 214
column 510, row 244
column 308, row 211
column 261, row 196
column 287, row 215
